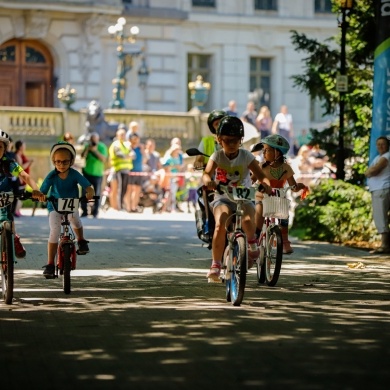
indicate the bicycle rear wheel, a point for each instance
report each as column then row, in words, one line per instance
column 238, row 271
column 274, row 256
column 7, row 263
column 67, row 263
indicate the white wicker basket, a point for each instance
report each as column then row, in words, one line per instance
column 275, row 207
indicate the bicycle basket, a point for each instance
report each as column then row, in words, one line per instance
column 275, row 206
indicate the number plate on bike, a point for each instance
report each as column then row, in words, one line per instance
column 68, row 204
column 244, row 193
column 6, row 198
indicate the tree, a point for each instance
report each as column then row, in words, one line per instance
column 321, row 66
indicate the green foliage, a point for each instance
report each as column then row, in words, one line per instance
column 336, row 211
column 321, row 66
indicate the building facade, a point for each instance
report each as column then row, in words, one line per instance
column 241, row 47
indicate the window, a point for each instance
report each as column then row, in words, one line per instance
column 266, row 5
column 203, row 3
column 260, row 81
column 323, row 6
column 199, row 65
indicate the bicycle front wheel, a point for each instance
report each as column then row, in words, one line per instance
column 274, row 256
column 67, row 263
column 238, row 270
column 7, row 263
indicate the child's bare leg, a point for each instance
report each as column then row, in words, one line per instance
column 79, row 233
column 51, row 252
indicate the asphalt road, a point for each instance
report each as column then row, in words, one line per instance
column 142, row 315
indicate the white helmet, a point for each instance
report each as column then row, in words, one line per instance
column 4, row 137
column 63, row 145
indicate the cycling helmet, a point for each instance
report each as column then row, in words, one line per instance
column 214, row 115
column 232, row 126
column 4, row 137
column 275, row 141
column 63, row 145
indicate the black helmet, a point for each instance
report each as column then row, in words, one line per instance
column 63, row 145
column 214, row 115
column 231, row 125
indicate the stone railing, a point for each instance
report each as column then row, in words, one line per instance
column 41, row 127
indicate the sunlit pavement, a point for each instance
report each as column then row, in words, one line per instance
column 141, row 315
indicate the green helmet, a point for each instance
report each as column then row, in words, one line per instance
column 214, row 115
column 276, row 141
column 231, row 125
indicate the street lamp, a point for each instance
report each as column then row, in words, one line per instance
column 125, row 61
column 342, row 85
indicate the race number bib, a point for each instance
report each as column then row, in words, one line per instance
column 6, row 198
column 244, row 193
column 69, row 205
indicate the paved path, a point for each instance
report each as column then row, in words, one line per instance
column 141, row 315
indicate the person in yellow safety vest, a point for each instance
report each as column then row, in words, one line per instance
column 208, row 145
column 121, row 160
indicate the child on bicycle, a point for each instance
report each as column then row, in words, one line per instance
column 278, row 172
column 10, row 168
column 209, row 144
column 63, row 182
column 231, row 166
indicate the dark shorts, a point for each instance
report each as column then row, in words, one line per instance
column 135, row 180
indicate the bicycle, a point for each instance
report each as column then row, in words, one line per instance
column 66, row 252
column 8, row 247
column 275, row 207
column 235, row 258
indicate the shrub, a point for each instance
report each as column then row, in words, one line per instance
column 336, row 211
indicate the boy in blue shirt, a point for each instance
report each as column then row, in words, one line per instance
column 62, row 182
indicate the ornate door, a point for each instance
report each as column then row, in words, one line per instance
column 26, row 74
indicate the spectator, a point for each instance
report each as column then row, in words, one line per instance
column 68, row 137
column 378, row 181
column 250, row 114
column 25, row 163
column 264, row 122
column 152, row 157
column 135, row 175
column 133, row 129
column 174, row 166
column 283, row 124
column 304, row 165
column 304, row 138
column 231, row 108
column 318, row 158
column 95, row 154
column 121, row 159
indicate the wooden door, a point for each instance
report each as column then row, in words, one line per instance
column 26, row 74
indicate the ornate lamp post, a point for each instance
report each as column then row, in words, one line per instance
column 125, row 61
column 342, row 84
column 199, row 92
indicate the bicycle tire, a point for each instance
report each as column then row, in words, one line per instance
column 239, row 270
column 260, row 263
column 274, row 256
column 67, row 263
column 7, row 263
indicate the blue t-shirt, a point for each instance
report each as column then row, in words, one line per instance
column 63, row 188
column 137, row 162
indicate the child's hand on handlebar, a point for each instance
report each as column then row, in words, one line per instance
column 36, row 194
column 264, row 188
column 211, row 185
column 89, row 193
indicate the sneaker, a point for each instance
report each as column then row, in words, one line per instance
column 213, row 274
column 48, row 271
column 83, row 247
column 20, row 252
